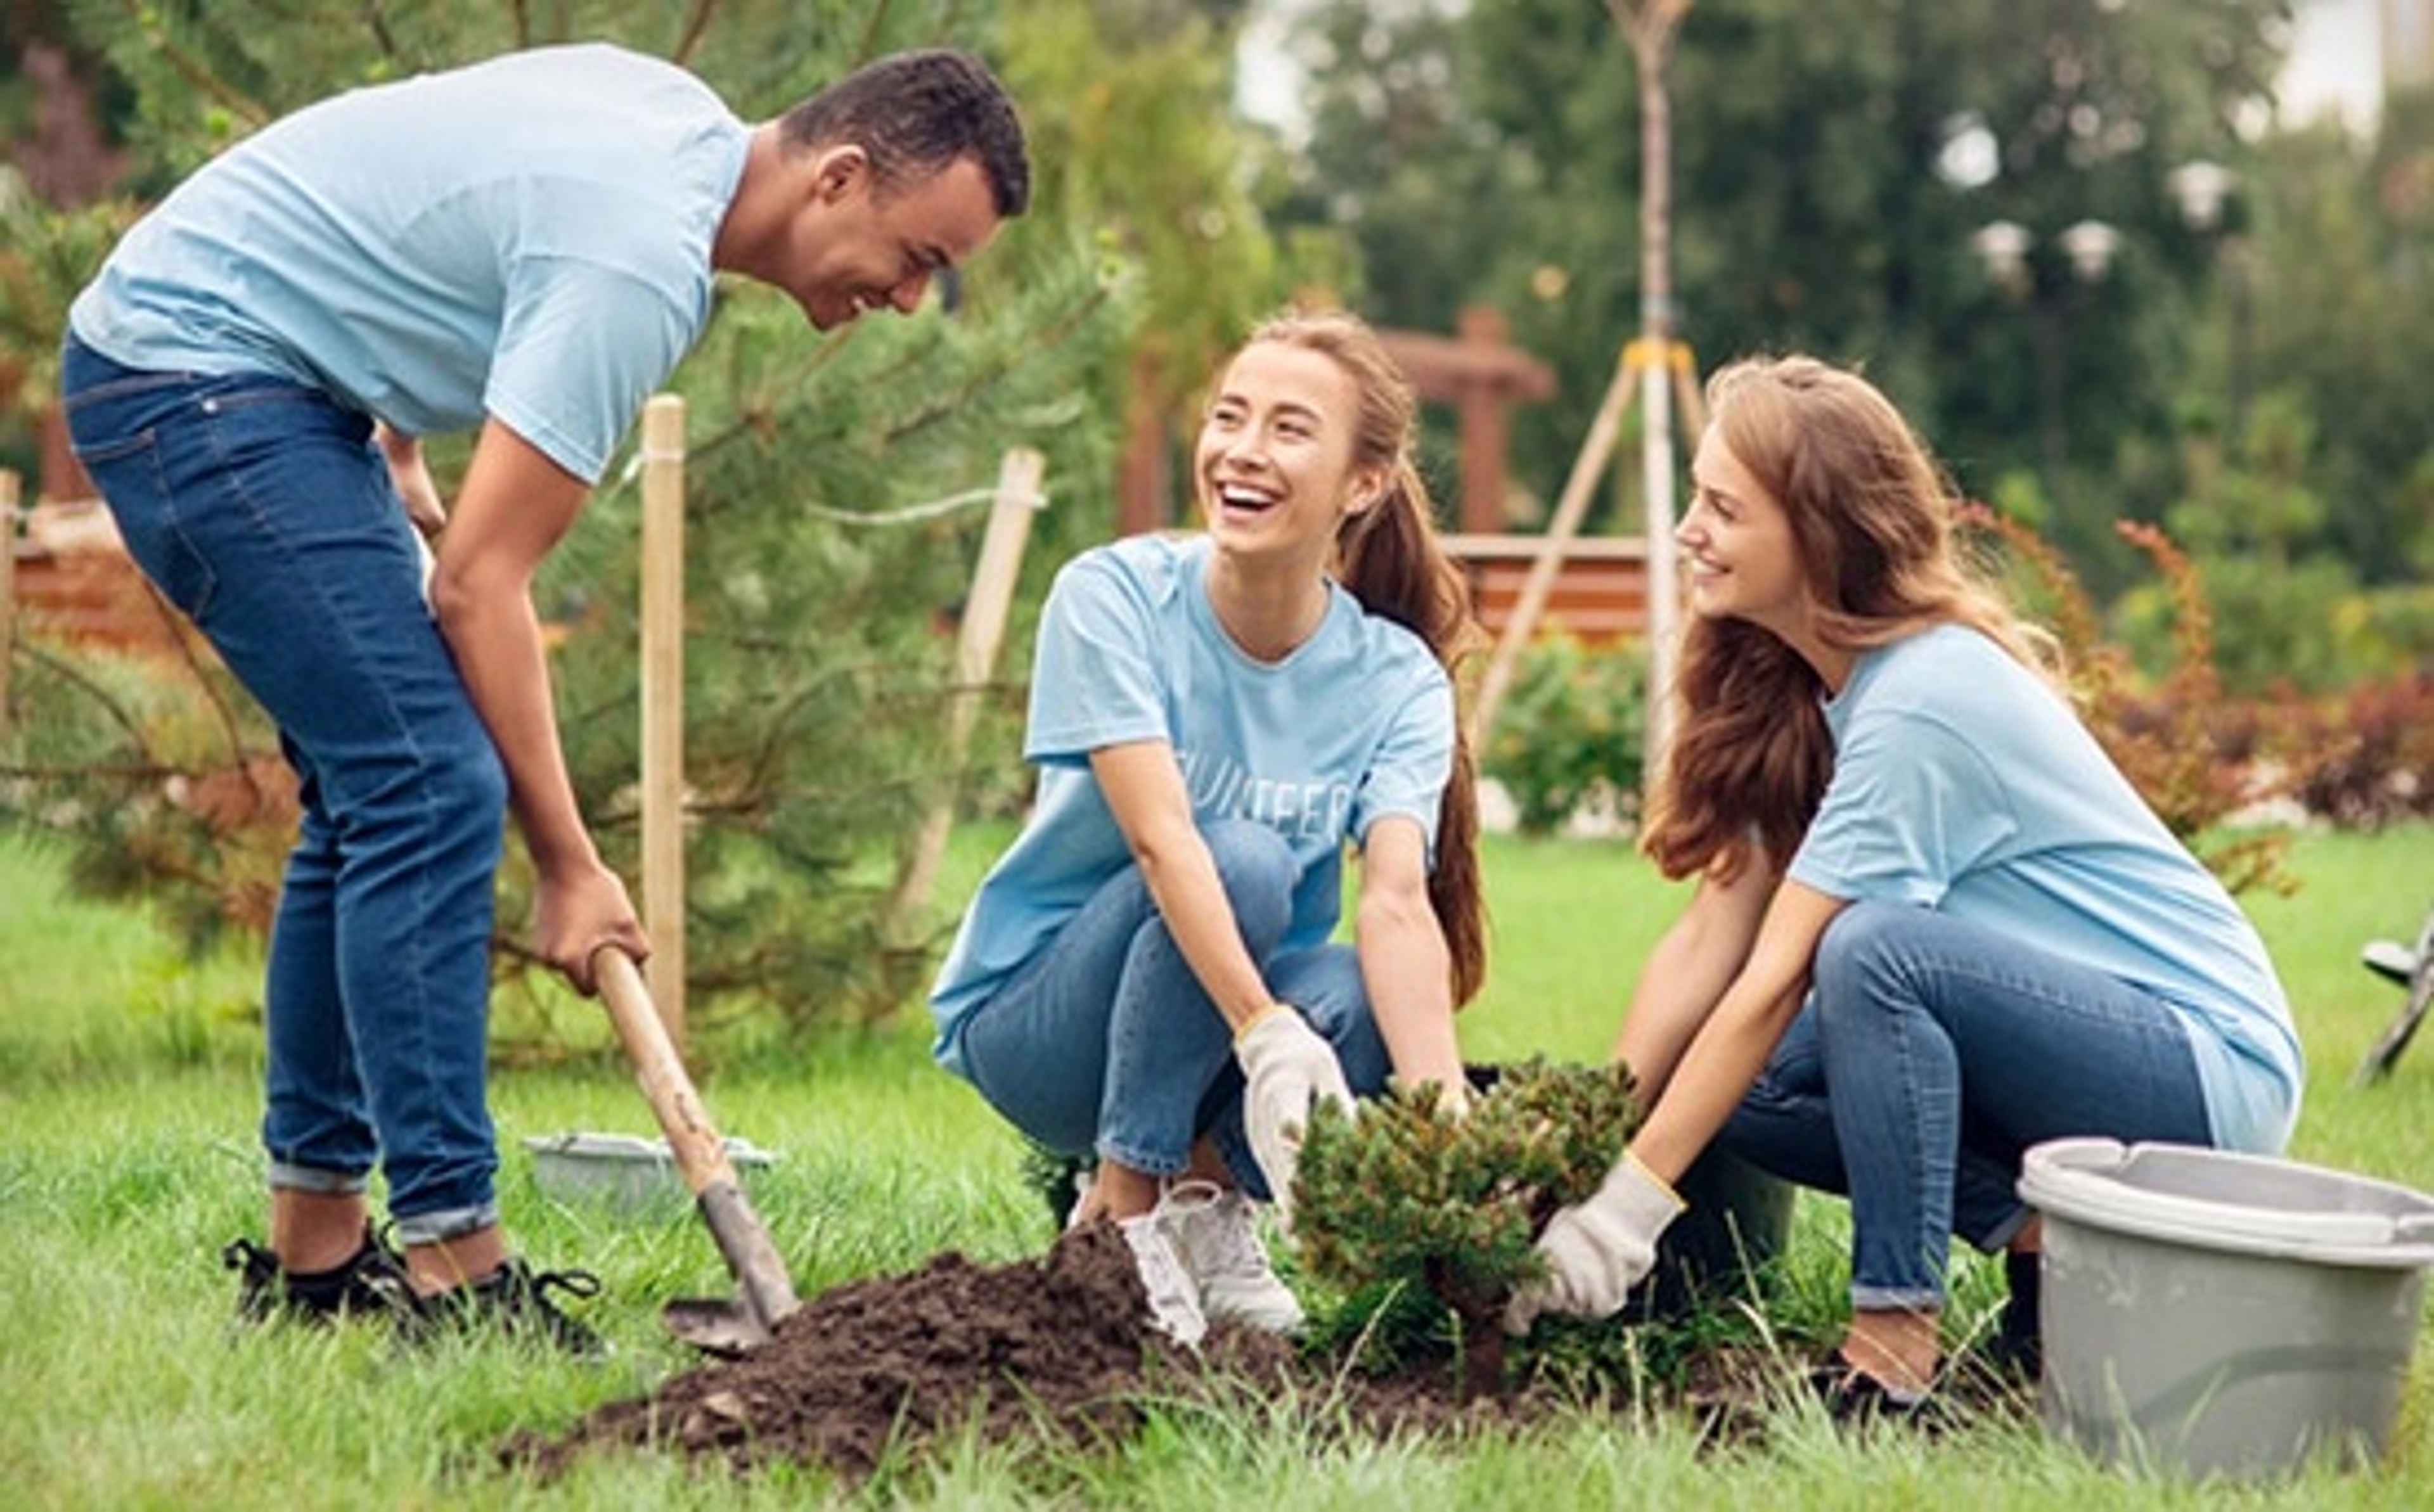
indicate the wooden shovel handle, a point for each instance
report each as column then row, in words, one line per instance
column 700, row 1153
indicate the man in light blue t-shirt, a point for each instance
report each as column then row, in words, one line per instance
column 523, row 248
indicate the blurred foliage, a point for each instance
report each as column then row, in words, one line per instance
column 2190, row 753
column 1835, row 161
column 46, row 253
column 1572, row 732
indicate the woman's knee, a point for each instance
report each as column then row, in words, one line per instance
column 1859, row 953
column 1326, row 986
column 1255, row 867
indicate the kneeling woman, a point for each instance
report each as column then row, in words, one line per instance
column 1147, row 975
column 1934, row 924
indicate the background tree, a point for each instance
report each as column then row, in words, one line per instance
column 1833, row 158
column 1144, row 147
column 2244, row 375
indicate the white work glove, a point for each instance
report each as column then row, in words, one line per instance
column 1286, row 1067
column 1597, row 1250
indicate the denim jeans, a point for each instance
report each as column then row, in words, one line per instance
column 1932, row 1053
column 263, row 512
column 1107, row 1043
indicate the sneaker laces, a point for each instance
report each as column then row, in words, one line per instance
column 1173, row 1296
column 1216, row 1234
column 258, row 1279
column 372, row 1280
column 1213, row 1229
column 516, row 1299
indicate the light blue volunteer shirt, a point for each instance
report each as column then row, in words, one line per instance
column 1964, row 783
column 1355, row 723
column 527, row 238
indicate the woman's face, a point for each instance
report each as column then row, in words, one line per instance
column 1275, row 463
column 1741, row 558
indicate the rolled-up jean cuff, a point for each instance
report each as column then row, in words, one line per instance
column 444, row 1225
column 1135, row 1159
column 1893, row 1300
column 289, row 1177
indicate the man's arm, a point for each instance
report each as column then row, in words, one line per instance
column 516, row 504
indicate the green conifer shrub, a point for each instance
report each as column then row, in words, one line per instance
column 1422, row 1216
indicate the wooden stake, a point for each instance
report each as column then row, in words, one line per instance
column 1550, row 560
column 976, row 647
column 12, row 490
column 663, row 784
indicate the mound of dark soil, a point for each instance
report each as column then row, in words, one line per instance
column 1059, row 1347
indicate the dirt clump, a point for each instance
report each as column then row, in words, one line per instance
column 1059, row 1350
column 1059, row 1345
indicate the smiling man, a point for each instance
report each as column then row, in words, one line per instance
column 523, row 248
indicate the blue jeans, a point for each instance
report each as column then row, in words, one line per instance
column 1105, row 1042
column 263, row 513
column 1932, row 1054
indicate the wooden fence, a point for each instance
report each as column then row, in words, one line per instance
column 1599, row 595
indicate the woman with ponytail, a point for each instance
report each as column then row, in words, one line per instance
column 1148, row 975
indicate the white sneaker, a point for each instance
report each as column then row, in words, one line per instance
column 1173, row 1300
column 1216, row 1232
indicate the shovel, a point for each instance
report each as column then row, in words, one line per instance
column 764, row 1293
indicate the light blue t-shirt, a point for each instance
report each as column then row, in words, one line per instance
column 1963, row 782
column 1355, row 723
column 527, row 238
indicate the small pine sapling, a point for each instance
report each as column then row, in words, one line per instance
column 1411, row 1195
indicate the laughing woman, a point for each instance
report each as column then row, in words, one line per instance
column 1146, row 976
column 1933, row 924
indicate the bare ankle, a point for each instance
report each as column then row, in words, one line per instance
column 1899, row 1347
column 433, row 1267
column 313, row 1231
column 1122, row 1192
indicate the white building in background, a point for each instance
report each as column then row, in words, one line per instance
column 2345, row 54
column 2407, row 35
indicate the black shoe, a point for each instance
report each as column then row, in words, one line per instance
column 372, row 1283
column 513, row 1300
column 2016, row 1354
column 1857, row 1399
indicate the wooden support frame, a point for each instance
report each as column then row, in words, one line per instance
column 1638, row 361
column 978, row 638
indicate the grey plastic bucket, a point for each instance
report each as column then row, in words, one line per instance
column 624, row 1171
column 2206, row 1313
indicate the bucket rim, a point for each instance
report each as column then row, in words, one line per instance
column 2082, row 1181
column 614, row 1148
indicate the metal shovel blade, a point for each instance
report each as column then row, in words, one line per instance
column 714, row 1325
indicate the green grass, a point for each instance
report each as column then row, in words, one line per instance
column 127, row 1090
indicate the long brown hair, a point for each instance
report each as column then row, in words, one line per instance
column 1872, row 519
column 1389, row 558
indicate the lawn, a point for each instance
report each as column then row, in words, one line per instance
column 128, row 1088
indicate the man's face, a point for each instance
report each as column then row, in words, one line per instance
column 860, row 245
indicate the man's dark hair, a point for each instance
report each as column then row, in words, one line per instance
column 916, row 113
